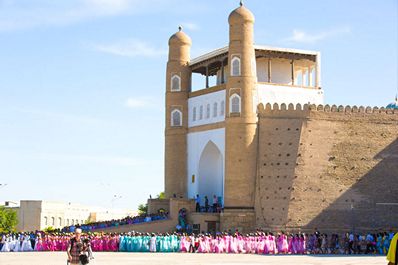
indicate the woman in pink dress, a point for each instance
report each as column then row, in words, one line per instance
column 227, row 242
column 261, row 244
column 273, row 249
column 290, row 244
column 65, row 241
column 234, row 244
column 302, row 244
column 282, row 243
column 202, row 245
column 217, row 244
column 295, row 244
column 248, row 243
column 267, row 243
column 39, row 244
column 183, row 247
column 100, row 245
column 50, row 243
column 208, row 241
column 240, row 244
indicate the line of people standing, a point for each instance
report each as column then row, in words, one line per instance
column 214, row 207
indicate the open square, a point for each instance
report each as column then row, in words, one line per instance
column 52, row 258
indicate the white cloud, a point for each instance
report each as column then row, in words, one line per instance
column 26, row 14
column 138, row 103
column 130, row 48
column 305, row 37
column 190, row 26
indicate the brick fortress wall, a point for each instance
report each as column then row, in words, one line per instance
column 331, row 168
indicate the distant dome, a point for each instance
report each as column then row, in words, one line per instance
column 393, row 105
column 180, row 38
column 240, row 15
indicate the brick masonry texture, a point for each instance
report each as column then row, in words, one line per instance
column 327, row 167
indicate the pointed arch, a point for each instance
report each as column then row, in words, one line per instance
column 176, row 118
column 175, row 83
column 211, row 175
column 234, row 103
column 235, row 66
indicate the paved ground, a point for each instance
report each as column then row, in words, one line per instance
column 51, row 258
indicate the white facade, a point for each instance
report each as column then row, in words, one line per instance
column 201, row 109
column 206, row 163
column 269, row 93
column 38, row 215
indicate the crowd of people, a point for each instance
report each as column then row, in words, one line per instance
column 42, row 241
column 92, row 226
column 259, row 242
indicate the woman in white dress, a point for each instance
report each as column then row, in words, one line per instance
column 152, row 243
column 26, row 245
column 18, row 244
column 6, row 245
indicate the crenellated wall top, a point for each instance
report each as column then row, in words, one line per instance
column 306, row 110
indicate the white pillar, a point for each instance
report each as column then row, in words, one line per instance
column 318, row 71
column 269, row 70
column 222, row 72
column 292, row 63
column 207, row 76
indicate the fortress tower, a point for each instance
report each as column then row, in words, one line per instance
column 178, row 85
column 240, row 122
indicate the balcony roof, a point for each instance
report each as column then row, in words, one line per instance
column 213, row 59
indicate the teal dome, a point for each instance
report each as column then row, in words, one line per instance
column 393, row 105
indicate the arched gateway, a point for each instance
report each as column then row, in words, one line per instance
column 211, row 175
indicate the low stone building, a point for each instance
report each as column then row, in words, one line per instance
column 38, row 215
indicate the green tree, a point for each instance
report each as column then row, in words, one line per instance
column 142, row 208
column 50, row 229
column 161, row 195
column 8, row 220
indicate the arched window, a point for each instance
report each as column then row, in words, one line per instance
column 73, row 222
column 235, row 66
column 175, row 83
column 222, row 108
column 59, row 221
column 45, row 220
column 208, row 111
column 234, row 103
column 194, row 114
column 200, row 112
column 176, row 118
column 53, row 221
column 215, row 111
column 77, row 222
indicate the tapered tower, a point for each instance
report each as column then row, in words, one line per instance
column 240, row 123
column 178, row 85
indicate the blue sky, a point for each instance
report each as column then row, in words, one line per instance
column 82, row 82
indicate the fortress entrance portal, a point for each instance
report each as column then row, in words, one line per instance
column 211, row 180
